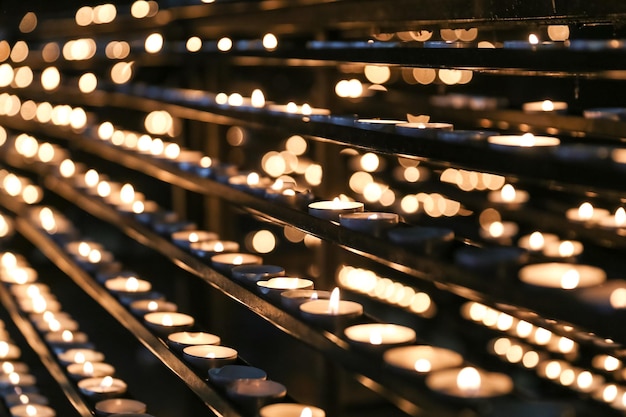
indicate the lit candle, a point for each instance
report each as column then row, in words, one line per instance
column 252, row 394
column 536, row 241
column 527, row 140
column 24, row 398
column 102, row 387
column 421, row 359
column 18, row 275
column 424, row 240
column 9, row 351
column 225, row 262
column 164, row 323
column 128, row 286
column 80, row 355
column 226, row 375
column 330, row 210
column 292, row 299
column 273, row 287
column 379, row 335
column 563, row 249
column 250, row 274
column 508, row 196
column 386, row 125
column 586, row 213
column 141, row 307
column 56, row 324
column 15, row 379
column 180, row 340
column 423, row 130
column 88, row 369
column 205, row 357
column 469, row 382
column 561, row 275
column 66, row 339
column 291, row 410
column 617, row 221
column 547, row 106
column 6, row 367
column 372, row 223
column 332, row 312
column 29, row 290
column 185, row 238
column 499, row 231
column 120, row 406
column 39, row 304
column 32, row 410
column 251, row 182
column 208, row 248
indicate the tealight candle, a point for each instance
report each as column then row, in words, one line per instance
column 374, row 335
column 251, row 182
column 226, row 375
column 9, row 351
column 56, row 324
column 205, row 357
column 274, row 286
column 82, row 247
column 89, row 370
column 128, row 286
column 508, row 196
column 32, row 410
column 330, row 210
column 15, row 379
column 536, row 241
column 141, row 307
column 547, row 106
column 101, row 388
column 332, row 312
column 39, row 304
column 423, row 130
column 23, row 398
column 185, row 238
column 586, row 213
column 371, row 223
column 499, row 231
column 561, row 275
column 527, row 140
column 208, row 248
column 67, row 339
column 291, row 410
column 469, row 382
column 424, row 240
column 225, row 262
column 18, row 275
column 563, row 249
column 180, row 340
column 119, row 406
column 252, row 394
column 421, row 359
column 617, row 221
column 292, row 299
column 80, row 356
column 387, row 125
column 29, row 290
column 164, row 323
column 6, row 367
column 252, row 273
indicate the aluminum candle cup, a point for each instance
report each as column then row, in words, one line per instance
column 375, row 336
column 6, row 367
column 128, row 287
column 205, row 357
column 18, row 275
column 79, row 356
column 78, row 371
column 180, row 340
column 423, row 240
column 469, row 383
column 292, row 299
column 420, row 360
column 9, row 351
column 142, row 307
column 273, row 287
column 164, row 323
column 102, row 388
column 545, row 106
column 226, row 375
column 536, row 241
column 330, row 210
column 290, row 410
column 423, row 130
column 527, row 141
column 32, row 410
column 14, row 379
column 29, row 290
column 119, row 406
column 562, row 275
column 371, row 223
column 208, row 248
column 185, row 238
column 225, row 262
column 332, row 313
column 65, row 339
column 383, row 125
column 250, row 274
column 252, row 394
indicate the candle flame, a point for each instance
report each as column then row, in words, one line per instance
column 253, row 178
column 618, row 298
column 31, row 410
column 218, row 247
column 39, row 304
column 314, row 295
column 67, row 336
column 4, row 349
column 54, row 325
column 566, row 249
column 88, row 368
column 127, row 194
column 496, row 229
column 14, row 378
column 585, row 211
column 210, row 355
column 533, row 39
column 306, row 109
column 132, row 284
column 468, row 380
column 79, row 357
column 570, row 279
column 422, row 365
column 8, row 367
column 138, row 207
column 527, row 140
column 536, row 241
column 206, row 162
column 508, row 193
column 292, row 107
column 167, row 320
column 153, row 305
column 106, row 382
column 95, row 256
column 238, row 260
column 306, row 412
column 372, row 217
column 289, row 192
column 48, row 316
column 83, row 248
column 278, row 185
column 547, row 105
column 376, row 337
column 193, row 237
column 333, row 303
column 620, row 216
column 24, row 399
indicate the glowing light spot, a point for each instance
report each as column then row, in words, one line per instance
column 154, row 43
column 270, row 42
column 377, row 74
column 224, row 44
column 87, row 83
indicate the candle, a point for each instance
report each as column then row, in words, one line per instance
column 82, row 247
column 225, row 262
column 469, row 382
column 252, row 394
column 386, row 125
column 226, row 375
column 547, row 106
column 164, row 323
column 563, row 249
column 80, row 355
column 332, row 312
column 188, row 159
column 291, row 410
column 12, row 400
column 536, row 241
column 292, row 299
column 89, row 370
column 18, row 275
column 527, row 140
column 29, row 290
column 185, row 238
column 508, row 196
column 273, row 287
column 32, row 410
column 330, row 210
column 132, row 287
column 371, row 223
column 375, row 335
column 586, row 213
column 499, row 231
column 424, row 240
column 208, row 248
column 6, row 367
column 39, row 304
column 251, row 182
column 423, row 130
column 119, row 406
column 99, row 388
column 205, row 357
column 561, row 275
column 609, row 296
column 15, row 379
column 421, row 359
column 204, row 168
column 66, row 339
column 180, row 340
column 56, row 323
column 617, row 221
column 9, row 351
column 250, row 274
column 141, row 307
